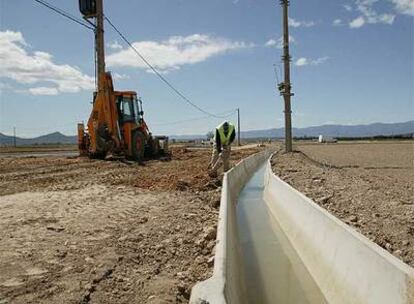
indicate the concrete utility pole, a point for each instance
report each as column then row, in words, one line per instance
column 238, row 126
column 285, row 87
column 14, row 137
column 100, row 44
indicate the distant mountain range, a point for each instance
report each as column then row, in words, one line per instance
column 375, row 129
column 52, row 138
column 369, row 130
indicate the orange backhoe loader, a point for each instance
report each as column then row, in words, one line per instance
column 116, row 125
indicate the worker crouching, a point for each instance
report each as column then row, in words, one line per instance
column 223, row 137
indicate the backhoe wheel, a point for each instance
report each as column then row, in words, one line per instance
column 138, row 146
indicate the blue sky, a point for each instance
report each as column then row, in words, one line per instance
column 352, row 62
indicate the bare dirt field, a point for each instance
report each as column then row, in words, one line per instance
column 370, row 186
column 75, row 230
column 37, row 148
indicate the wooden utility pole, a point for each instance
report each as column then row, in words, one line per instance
column 100, row 44
column 285, row 87
column 238, row 126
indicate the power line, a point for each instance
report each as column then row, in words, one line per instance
column 192, row 119
column 64, row 14
column 72, row 18
column 168, row 83
column 186, row 99
column 180, row 121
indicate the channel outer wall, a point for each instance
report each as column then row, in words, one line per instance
column 227, row 285
column 346, row 266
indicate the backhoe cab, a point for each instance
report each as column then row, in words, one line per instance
column 117, row 126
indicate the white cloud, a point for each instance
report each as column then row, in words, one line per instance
column 18, row 64
column 43, row 91
column 303, row 61
column 347, row 7
column 337, row 22
column 404, row 6
column 115, row 45
column 117, row 76
column 297, row 23
column 357, row 22
column 175, row 52
column 271, row 42
column 319, row 60
column 279, row 42
column 369, row 15
column 386, row 19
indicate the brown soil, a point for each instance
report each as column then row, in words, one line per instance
column 90, row 231
column 368, row 186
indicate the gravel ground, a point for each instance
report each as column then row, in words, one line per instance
column 89, row 231
column 368, row 186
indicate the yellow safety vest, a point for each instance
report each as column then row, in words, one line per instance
column 225, row 140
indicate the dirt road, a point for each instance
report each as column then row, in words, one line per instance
column 89, row 231
column 369, row 186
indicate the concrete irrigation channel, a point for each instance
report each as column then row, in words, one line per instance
column 275, row 245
